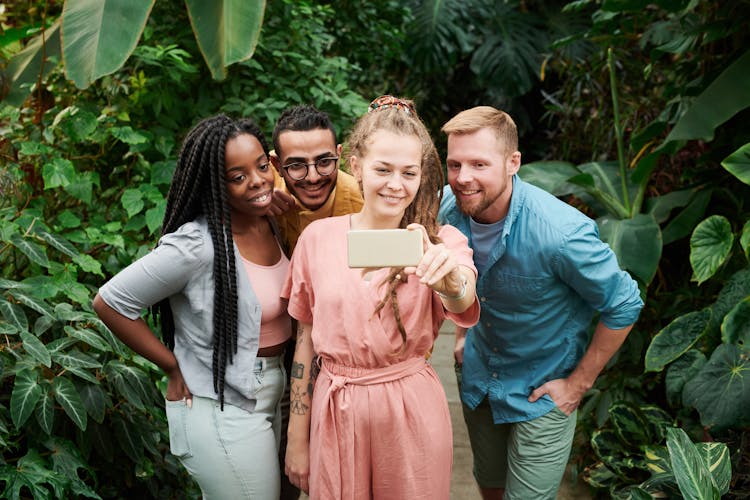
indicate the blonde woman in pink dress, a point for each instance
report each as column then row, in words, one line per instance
column 374, row 423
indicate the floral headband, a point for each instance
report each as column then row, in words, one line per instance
column 388, row 101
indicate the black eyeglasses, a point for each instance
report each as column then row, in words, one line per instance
column 324, row 166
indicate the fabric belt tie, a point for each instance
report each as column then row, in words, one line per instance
column 336, row 421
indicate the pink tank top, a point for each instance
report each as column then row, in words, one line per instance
column 275, row 322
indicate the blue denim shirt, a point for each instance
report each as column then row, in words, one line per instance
column 545, row 278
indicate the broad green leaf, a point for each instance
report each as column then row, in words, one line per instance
column 34, row 252
column 657, row 458
column 738, row 163
column 76, row 124
column 58, row 173
column 227, row 31
column 155, row 216
column 131, row 382
column 710, row 245
column 14, row 315
column 33, row 303
column 599, row 476
column 717, row 459
column 99, row 36
column 657, row 421
column 690, row 470
column 132, row 201
column 629, row 424
column 661, row 206
column 8, row 329
column 82, row 187
column 680, row 371
column 129, row 437
column 25, row 67
column 721, row 390
column 83, row 375
column 67, row 460
column 609, row 449
column 552, row 176
column 162, row 171
column 88, row 264
column 745, row 239
column 636, row 242
column 735, row 329
column 95, row 400
column 31, row 472
column 684, row 222
column 68, row 219
column 89, row 337
column 68, row 397
column 25, row 395
column 45, row 411
column 722, row 99
column 73, row 358
column 58, row 242
column 36, row 348
column 676, row 338
column 128, row 135
column 734, row 290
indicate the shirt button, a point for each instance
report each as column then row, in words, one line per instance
column 483, row 299
column 488, row 324
column 494, row 374
column 494, row 349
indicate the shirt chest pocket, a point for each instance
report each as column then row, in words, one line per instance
column 516, row 291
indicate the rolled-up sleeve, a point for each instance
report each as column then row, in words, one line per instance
column 161, row 273
column 590, row 267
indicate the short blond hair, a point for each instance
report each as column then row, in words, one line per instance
column 471, row 120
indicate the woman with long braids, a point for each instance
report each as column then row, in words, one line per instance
column 376, row 423
column 214, row 279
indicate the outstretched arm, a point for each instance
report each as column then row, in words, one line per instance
column 568, row 392
column 298, row 437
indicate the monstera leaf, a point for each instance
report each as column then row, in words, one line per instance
column 721, row 390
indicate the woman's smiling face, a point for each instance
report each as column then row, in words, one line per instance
column 390, row 173
column 248, row 175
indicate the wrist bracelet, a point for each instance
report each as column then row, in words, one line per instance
column 460, row 294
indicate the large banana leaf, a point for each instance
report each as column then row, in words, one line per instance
column 227, row 30
column 33, row 63
column 636, row 242
column 99, row 35
column 723, row 98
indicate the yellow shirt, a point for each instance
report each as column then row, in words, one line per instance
column 345, row 198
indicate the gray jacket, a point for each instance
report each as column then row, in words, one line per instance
column 181, row 268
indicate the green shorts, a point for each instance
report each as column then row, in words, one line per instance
column 527, row 459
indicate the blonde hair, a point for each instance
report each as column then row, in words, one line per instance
column 471, row 120
column 399, row 117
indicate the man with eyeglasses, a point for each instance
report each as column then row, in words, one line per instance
column 310, row 186
column 307, row 156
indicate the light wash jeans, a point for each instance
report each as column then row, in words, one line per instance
column 232, row 454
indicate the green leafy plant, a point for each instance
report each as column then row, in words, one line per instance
column 95, row 39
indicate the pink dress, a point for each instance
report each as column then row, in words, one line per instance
column 380, row 426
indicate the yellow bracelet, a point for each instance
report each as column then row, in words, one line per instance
column 460, row 295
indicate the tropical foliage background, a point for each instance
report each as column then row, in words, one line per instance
column 634, row 111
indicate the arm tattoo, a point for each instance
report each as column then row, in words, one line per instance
column 297, row 406
column 298, row 370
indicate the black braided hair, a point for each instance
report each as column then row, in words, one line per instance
column 199, row 188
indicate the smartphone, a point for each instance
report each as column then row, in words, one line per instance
column 384, row 247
